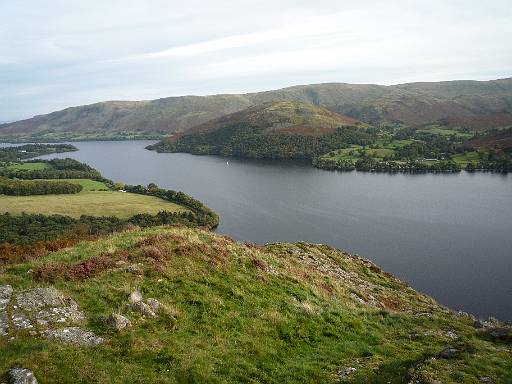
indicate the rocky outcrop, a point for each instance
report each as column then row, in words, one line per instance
column 45, row 312
column 74, row 336
column 21, row 376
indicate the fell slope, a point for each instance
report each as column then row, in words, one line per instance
column 413, row 104
column 291, row 117
column 232, row 312
column 279, row 129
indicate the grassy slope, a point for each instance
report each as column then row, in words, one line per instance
column 87, row 184
column 93, row 203
column 29, row 166
column 284, row 313
column 414, row 104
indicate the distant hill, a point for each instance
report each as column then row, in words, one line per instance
column 279, row 129
column 290, row 117
column 413, row 104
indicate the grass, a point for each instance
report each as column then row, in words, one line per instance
column 29, row 166
column 445, row 131
column 234, row 313
column 87, row 184
column 93, row 203
column 465, row 158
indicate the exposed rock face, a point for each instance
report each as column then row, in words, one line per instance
column 5, row 296
column 42, row 310
column 21, row 376
column 73, row 335
column 118, row 322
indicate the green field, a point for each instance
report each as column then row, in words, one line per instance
column 29, row 166
column 444, row 131
column 91, row 203
column 87, row 184
column 465, row 158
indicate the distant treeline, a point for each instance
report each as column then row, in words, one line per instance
column 28, row 151
column 28, row 230
column 203, row 216
column 36, row 187
column 251, row 142
column 373, row 165
column 58, row 169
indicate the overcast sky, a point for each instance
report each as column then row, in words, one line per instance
column 60, row 53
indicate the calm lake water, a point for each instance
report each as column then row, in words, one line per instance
column 449, row 236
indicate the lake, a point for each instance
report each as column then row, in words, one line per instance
column 448, row 235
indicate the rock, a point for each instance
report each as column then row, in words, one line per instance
column 452, row 335
column 153, row 303
column 118, row 322
column 135, row 297
column 500, row 333
column 143, row 308
column 478, row 324
column 38, row 298
column 344, row 373
column 47, row 305
column 448, row 353
column 21, row 376
column 5, row 296
column 74, row 336
column 4, row 324
column 21, row 321
column 136, row 269
column 485, row 379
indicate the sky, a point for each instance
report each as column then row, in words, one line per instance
column 60, row 53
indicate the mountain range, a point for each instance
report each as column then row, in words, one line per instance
column 482, row 104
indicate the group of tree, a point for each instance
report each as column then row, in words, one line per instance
column 200, row 214
column 28, row 151
column 57, row 169
column 253, row 142
column 36, row 187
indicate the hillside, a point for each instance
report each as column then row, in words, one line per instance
column 280, row 117
column 280, row 129
column 181, row 305
column 413, row 104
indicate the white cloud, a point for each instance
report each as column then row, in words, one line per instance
column 71, row 52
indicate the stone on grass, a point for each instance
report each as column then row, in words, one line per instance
column 143, row 308
column 135, row 297
column 21, row 376
column 345, row 373
column 153, row 303
column 118, row 322
column 5, row 296
column 448, row 353
column 500, row 333
column 4, row 323
column 37, row 298
column 74, row 336
column 21, row 321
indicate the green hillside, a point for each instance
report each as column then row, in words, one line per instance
column 282, row 129
column 217, row 311
column 489, row 103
